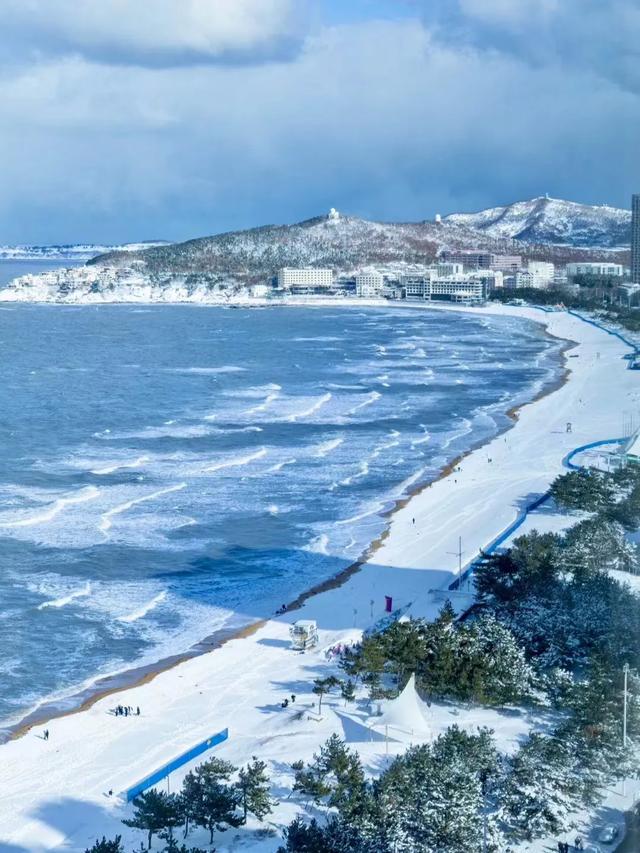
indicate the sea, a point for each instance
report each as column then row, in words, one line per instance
column 168, row 472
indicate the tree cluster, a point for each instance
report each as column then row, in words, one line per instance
column 477, row 660
column 434, row 797
column 209, row 799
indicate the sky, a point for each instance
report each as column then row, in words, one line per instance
column 125, row 120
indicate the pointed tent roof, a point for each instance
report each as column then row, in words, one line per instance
column 407, row 712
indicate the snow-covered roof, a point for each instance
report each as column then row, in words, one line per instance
column 407, row 712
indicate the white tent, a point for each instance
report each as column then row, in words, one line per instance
column 406, row 713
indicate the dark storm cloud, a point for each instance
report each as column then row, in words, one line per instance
column 601, row 36
column 381, row 119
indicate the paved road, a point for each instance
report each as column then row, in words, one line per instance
column 631, row 843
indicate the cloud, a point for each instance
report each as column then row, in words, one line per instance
column 379, row 119
column 153, row 33
column 597, row 36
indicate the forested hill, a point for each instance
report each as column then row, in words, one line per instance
column 336, row 241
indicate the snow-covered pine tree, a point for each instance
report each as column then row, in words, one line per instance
column 253, row 784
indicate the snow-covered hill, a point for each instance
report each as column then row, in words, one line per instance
column 73, row 252
column 335, row 240
column 543, row 229
column 552, row 220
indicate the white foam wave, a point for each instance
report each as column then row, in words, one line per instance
column 371, row 398
column 319, row 545
column 105, row 518
column 87, row 494
column 280, row 466
column 426, row 437
column 365, row 514
column 264, row 405
column 327, row 446
column 410, row 481
column 237, row 462
column 208, row 371
column 67, row 599
column 362, row 471
column 117, row 466
column 141, row 612
column 319, row 403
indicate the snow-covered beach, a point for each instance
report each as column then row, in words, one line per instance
column 241, row 684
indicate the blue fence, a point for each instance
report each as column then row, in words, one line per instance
column 529, row 508
column 611, row 332
column 180, row 761
column 567, row 461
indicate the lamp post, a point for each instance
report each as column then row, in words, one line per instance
column 625, row 670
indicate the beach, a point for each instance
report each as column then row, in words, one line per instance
column 55, row 792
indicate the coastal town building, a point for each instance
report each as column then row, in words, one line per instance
column 450, row 268
column 470, row 260
column 477, row 260
column 541, row 272
column 369, row 284
column 306, row 278
column 602, row 268
column 458, row 288
column 416, row 286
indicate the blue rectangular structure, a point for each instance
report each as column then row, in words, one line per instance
column 162, row 772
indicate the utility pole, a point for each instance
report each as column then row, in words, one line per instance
column 458, row 554
column 625, row 670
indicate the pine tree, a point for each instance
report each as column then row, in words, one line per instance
column 155, row 811
column 595, row 545
column 217, row 800
column 253, row 784
column 104, row 846
column 322, row 686
column 190, row 797
column 348, row 691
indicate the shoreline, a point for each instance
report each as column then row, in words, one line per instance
column 136, row 676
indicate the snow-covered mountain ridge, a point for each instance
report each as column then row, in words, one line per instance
column 543, row 228
column 224, row 264
column 552, row 220
column 72, row 252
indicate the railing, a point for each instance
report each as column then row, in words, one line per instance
column 162, row 772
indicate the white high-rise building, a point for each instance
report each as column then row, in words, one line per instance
column 307, row 277
column 541, row 273
column 597, row 268
column 369, row 284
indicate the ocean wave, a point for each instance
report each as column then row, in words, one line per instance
column 426, row 437
column 87, row 494
column 141, row 612
column 280, row 465
column 306, row 413
column 319, row 545
column 167, row 430
column 232, row 430
column 326, row 447
column 67, row 599
column 362, row 471
column 236, row 462
column 371, row 398
column 117, row 466
column 105, row 518
column 264, row 405
column 374, row 510
column 207, row 371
